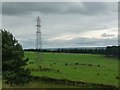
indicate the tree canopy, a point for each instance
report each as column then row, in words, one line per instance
column 13, row 61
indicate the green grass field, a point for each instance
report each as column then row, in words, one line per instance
column 75, row 67
column 0, row 82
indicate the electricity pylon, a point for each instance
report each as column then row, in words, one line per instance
column 38, row 41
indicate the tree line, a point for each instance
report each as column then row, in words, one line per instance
column 112, row 51
column 109, row 51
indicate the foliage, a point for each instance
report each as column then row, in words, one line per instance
column 13, row 61
column 72, row 50
column 113, row 51
column 109, row 51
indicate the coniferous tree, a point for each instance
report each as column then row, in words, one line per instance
column 13, row 61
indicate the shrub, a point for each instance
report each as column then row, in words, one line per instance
column 40, row 67
column 76, row 63
column 98, row 65
column 98, row 74
column 117, row 77
column 58, row 70
column 89, row 64
column 66, row 64
column 31, row 62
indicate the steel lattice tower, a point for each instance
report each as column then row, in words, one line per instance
column 38, row 41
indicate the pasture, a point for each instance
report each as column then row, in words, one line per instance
column 0, row 82
column 86, row 68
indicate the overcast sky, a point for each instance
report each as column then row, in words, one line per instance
column 64, row 24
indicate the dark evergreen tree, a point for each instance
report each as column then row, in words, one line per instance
column 13, row 61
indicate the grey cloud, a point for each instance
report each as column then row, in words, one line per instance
column 59, row 19
column 21, row 8
column 86, row 8
column 77, row 42
column 107, row 35
column 95, row 42
column 26, row 43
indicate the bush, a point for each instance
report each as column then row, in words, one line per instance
column 98, row 65
column 31, row 62
column 66, row 64
column 40, row 67
column 117, row 77
column 76, row 63
column 58, row 70
column 89, row 64
column 98, row 74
